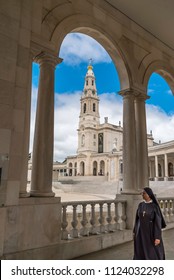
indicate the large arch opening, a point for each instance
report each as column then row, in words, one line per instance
column 70, row 86
column 160, row 118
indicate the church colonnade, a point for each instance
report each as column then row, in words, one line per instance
column 161, row 167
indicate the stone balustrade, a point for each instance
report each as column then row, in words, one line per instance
column 84, row 218
column 167, row 208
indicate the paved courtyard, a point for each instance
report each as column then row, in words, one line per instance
column 125, row 251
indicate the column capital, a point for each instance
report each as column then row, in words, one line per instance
column 137, row 94
column 47, row 58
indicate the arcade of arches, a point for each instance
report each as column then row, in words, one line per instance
column 34, row 31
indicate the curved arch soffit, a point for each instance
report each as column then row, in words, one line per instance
column 163, row 70
column 84, row 24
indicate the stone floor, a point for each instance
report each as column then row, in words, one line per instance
column 125, row 251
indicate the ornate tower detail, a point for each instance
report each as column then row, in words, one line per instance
column 89, row 118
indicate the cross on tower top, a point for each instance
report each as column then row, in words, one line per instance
column 90, row 61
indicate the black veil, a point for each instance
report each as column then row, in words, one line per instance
column 152, row 196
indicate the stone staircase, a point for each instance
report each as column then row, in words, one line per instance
column 91, row 185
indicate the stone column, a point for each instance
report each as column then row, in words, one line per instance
column 156, row 168
column 129, row 143
column 150, row 169
column 41, row 182
column 23, row 184
column 166, row 175
column 141, row 141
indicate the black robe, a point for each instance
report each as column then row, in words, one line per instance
column 148, row 228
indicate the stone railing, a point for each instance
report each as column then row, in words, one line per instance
column 84, row 218
column 167, row 208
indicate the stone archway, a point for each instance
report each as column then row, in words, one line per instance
column 82, row 168
column 163, row 69
column 86, row 24
column 95, row 168
column 102, row 167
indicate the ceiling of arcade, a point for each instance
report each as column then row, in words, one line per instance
column 129, row 36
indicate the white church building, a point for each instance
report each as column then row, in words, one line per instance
column 100, row 151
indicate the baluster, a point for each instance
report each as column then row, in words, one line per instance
column 167, row 211
column 161, row 203
column 92, row 229
column 64, row 224
column 172, row 206
column 74, row 230
column 171, row 210
column 123, row 215
column 116, row 226
column 101, row 218
column 84, row 230
column 109, row 226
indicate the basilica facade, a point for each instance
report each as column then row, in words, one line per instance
column 100, row 145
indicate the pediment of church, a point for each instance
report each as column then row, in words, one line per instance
column 81, row 155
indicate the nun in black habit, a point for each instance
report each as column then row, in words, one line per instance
column 149, row 221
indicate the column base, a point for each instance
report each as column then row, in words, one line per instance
column 33, row 224
column 165, row 178
column 42, row 194
column 24, row 194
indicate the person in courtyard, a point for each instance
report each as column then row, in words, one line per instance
column 149, row 221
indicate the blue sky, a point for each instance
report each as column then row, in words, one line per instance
column 69, row 83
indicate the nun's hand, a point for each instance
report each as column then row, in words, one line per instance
column 157, row 242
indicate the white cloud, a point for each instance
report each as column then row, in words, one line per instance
column 78, row 48
column 161, row 124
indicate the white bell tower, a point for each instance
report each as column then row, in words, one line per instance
column 89, row 118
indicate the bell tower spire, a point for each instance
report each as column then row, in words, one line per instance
column 89, row 118
column 89, row 99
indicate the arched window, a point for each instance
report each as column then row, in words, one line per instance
column 92, row 82
column 82, row 168
column 70, row 169
column 84, row 108
column 94, row 168
column 87, row 82
column 102, row 168
column 93, row 107
column 170, row 169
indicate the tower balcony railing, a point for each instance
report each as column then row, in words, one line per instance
column 85, row 218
